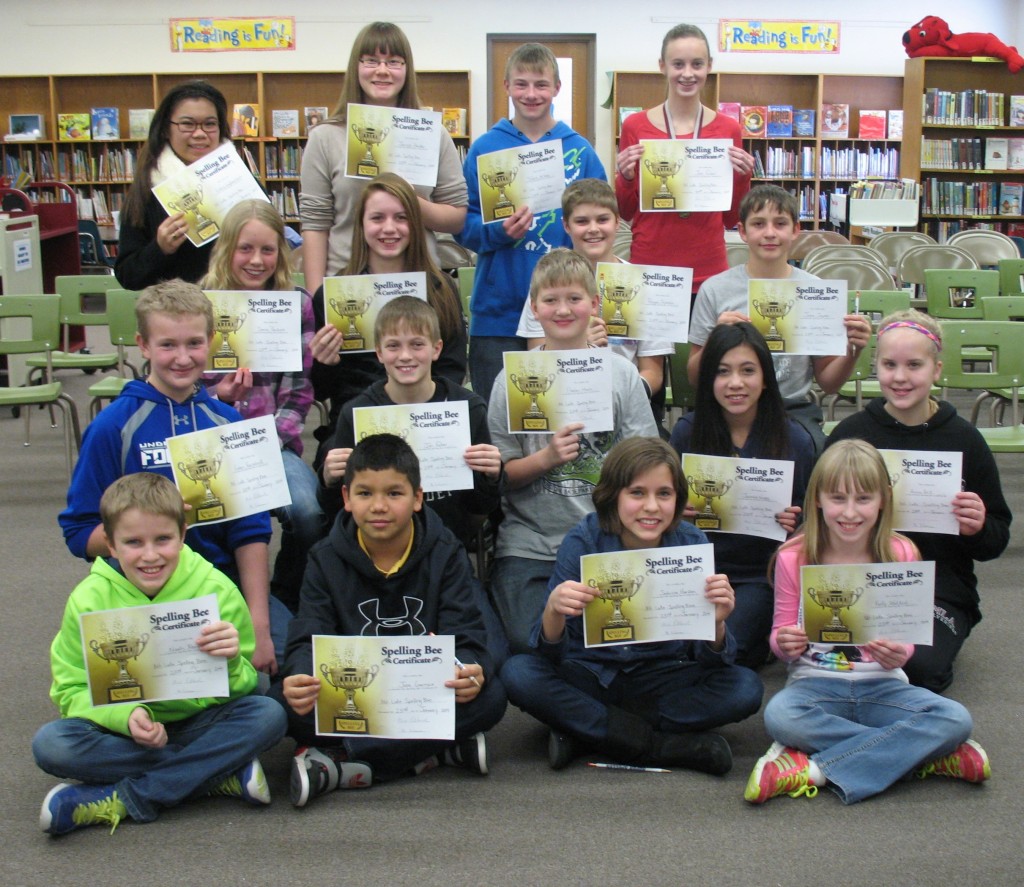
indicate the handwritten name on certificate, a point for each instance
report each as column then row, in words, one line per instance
column 437, row 432
column 739, row 495
column 648, row 594
column 799, row 317
column 691, row 175
column 229, row 471
column 205, row 190
column 149, row 653
column 352, row 303
column 260, row 331
column 399, row 140
column 391, row 687
column 857, row 603
column 549, row 389
column 532, row 176
column 923, row 486
column 645, row 301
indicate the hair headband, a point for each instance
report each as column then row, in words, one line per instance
column 910, row 325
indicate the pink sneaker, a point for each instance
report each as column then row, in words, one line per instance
column 969, row 763
column 785, row 773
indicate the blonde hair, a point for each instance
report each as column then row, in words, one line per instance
column 535, row 58
column 387, row 39
column 220, row 276
column 911, row 318
column 175, row 298
column 147, row 491
column 417, row 315
column 562, row 267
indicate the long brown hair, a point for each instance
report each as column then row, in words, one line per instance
column 440, row 289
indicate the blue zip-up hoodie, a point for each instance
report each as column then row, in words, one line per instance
column 129, row 436
column 504, row 266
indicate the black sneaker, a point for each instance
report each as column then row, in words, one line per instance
column 561, row 750
column 315, row 771
column 703, row 751
column 469, row 753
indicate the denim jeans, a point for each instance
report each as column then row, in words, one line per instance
column 519, row 591
column 865, row 734
column 485, row 361
column 201, row 752
column 751, row 621
column 302, row 525
column 672, row 695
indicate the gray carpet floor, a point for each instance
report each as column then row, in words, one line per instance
column 522, row 824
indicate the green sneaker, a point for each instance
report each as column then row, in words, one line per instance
column 249, row 784
column 67, row 807
column 969, row 763
column 784, row 774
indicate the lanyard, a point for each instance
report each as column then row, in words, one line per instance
column 670, row 126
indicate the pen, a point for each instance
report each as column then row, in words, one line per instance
column 458, row 664
column 628, row 767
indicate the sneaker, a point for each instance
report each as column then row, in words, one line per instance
column 469, row 753
column 249, row 784
column 784, row 774
column 703, row 751
column 969, row 763
column 561, row 750
column 315, row 771
column 67, row 807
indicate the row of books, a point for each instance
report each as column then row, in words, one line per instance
column 858, row 163
column 904, row 189
column 286, row 202
column 785, row 121
column 784, row 163
column 943, row 229
column 971, row 107
column 971, row 198
column 973, row 154
column 282, row 160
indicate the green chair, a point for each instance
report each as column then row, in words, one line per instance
column 1011, row 277
column 1003, row 308
column 466, row 275
column 299, row 279
column 122, row 326
column 680, row 394
column 1005, row 373
column 954, row 294
column 43, row 315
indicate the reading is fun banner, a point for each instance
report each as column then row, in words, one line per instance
column 746, row 35
column 232, row 34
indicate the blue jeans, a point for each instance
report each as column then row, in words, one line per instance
column 485, row 361
column 751, row 621
column 865, row 734
column 201, row 752
column 519, row 591
column 672, row 695
column 302, row 525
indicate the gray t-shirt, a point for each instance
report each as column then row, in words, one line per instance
column 728, row 291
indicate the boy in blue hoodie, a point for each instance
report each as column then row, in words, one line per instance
column 507, row 253
column 136, row 758
column 175, row 322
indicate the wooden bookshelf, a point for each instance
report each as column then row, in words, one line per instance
column 94, row 167
column 957, row 75
column 860, row 92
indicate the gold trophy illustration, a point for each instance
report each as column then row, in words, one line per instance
column 124, row 687
column 616, row 589
column 201, row 468
column 533, row 384
column 226, row 323
column 708, row 488
column 350, row 678
column 620, row 294
column 773, row 310
column 664, row 170
column 835, row 597
column 384, row 427
column 500, row 179
column 370, row 136
column 350, row 308
column 188, row 202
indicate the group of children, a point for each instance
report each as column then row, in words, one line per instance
column 394, row 561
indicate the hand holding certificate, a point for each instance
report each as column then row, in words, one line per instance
column 693, row 175
column 550, row 389
column 351, row 303
column 399, row 140
column 261, row 331
column 924, row 484
column 739, row 495
column 533, row 176
column 645, row 301
column 800, row 317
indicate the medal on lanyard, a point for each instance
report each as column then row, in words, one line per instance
column 670, row 128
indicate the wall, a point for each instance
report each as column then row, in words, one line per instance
column 108, row 36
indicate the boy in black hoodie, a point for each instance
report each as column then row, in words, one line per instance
column 388, row 568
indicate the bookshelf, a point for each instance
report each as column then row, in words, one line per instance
column 942, row 99
column 810, row 166
column 104, row 169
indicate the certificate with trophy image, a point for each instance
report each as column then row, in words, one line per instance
column 648, row 594
column 923, row 486
column 549, row 389
column 260, row 331
column 685, row 176
column 857, row 603
column 351, row 303
column 533, row 176
column 229, row 471
column 645, row 301
column 799, row 317
column 144, row 654
column 437, row 432
column 205, row 190
column 404, row 141
column 738, row 495
column 391, row 687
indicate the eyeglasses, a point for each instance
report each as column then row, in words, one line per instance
column 189, row 126
column 392, row 64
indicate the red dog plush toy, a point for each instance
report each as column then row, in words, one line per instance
column 931, row 37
